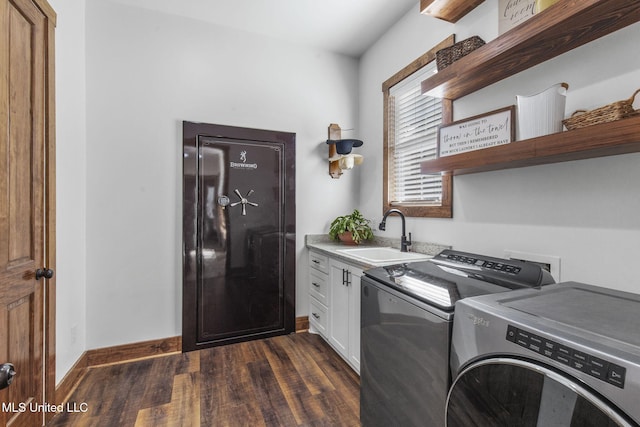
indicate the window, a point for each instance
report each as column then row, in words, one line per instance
column 410, row 137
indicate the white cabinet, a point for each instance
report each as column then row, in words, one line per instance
column 318, row 262
column 354, row 318
column 339, row 302
column 319, row 286
column 334, row 305
column 319, row 293
column 344, row 312
column 318, row 317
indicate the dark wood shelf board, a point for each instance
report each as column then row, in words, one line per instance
column 606, row 139
column 562, row 27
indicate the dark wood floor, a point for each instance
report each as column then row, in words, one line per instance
column 293, row 380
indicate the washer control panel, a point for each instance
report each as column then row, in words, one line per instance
column 594, row 366
column 493, row 265
column 509, row 273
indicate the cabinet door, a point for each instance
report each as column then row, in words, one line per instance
column 339, row 307
column 354, row 317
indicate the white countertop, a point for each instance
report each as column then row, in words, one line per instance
column 336, row 249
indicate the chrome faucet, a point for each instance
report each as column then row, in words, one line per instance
column 403, row 240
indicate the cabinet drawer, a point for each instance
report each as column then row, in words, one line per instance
column 319, row 262
column 319, row 285
column 318, row 317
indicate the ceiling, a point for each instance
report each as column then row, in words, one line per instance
column 344, row 26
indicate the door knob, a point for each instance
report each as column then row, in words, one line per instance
column 47, row 273
column 6, row 375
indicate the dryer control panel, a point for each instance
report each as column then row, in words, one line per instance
column 594, row 366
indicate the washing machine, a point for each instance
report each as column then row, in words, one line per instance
column 407, row 312
column 562, row 355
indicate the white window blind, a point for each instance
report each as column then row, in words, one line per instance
column 413, row 138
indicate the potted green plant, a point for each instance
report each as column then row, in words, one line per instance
column 351, row 229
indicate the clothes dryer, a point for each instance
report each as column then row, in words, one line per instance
column 562, row 355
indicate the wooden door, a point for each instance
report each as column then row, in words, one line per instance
column 26, row 215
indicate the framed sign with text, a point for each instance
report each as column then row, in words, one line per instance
column 514, row 13
column 478, row 132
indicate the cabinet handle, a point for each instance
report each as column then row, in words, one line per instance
column 346, row 277
column 316, row 315
column 316, row 261
column 315, row 284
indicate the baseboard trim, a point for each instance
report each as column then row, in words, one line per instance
column 302, row 323
column 112, row 355
column 71, row 379
column 129, row 352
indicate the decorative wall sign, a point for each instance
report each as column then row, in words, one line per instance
column 478, row 132
column 514, row 13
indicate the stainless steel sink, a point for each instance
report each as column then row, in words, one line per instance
column 379, row 255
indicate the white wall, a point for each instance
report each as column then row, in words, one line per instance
column 585, row 212
column 71, row 187
column 146, row 72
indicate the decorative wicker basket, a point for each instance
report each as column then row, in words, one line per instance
column 608, row 113
column 449, row 55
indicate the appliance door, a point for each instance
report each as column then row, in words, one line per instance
column 508, row 392
column 404, row 372
column 240, row 243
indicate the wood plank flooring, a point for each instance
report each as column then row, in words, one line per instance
column 292, row 380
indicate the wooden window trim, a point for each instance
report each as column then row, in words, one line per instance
column 445, row 209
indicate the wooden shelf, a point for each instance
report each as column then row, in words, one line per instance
column 560, row 28
column 448, row 10
column 557, row 30
column 607, row 139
